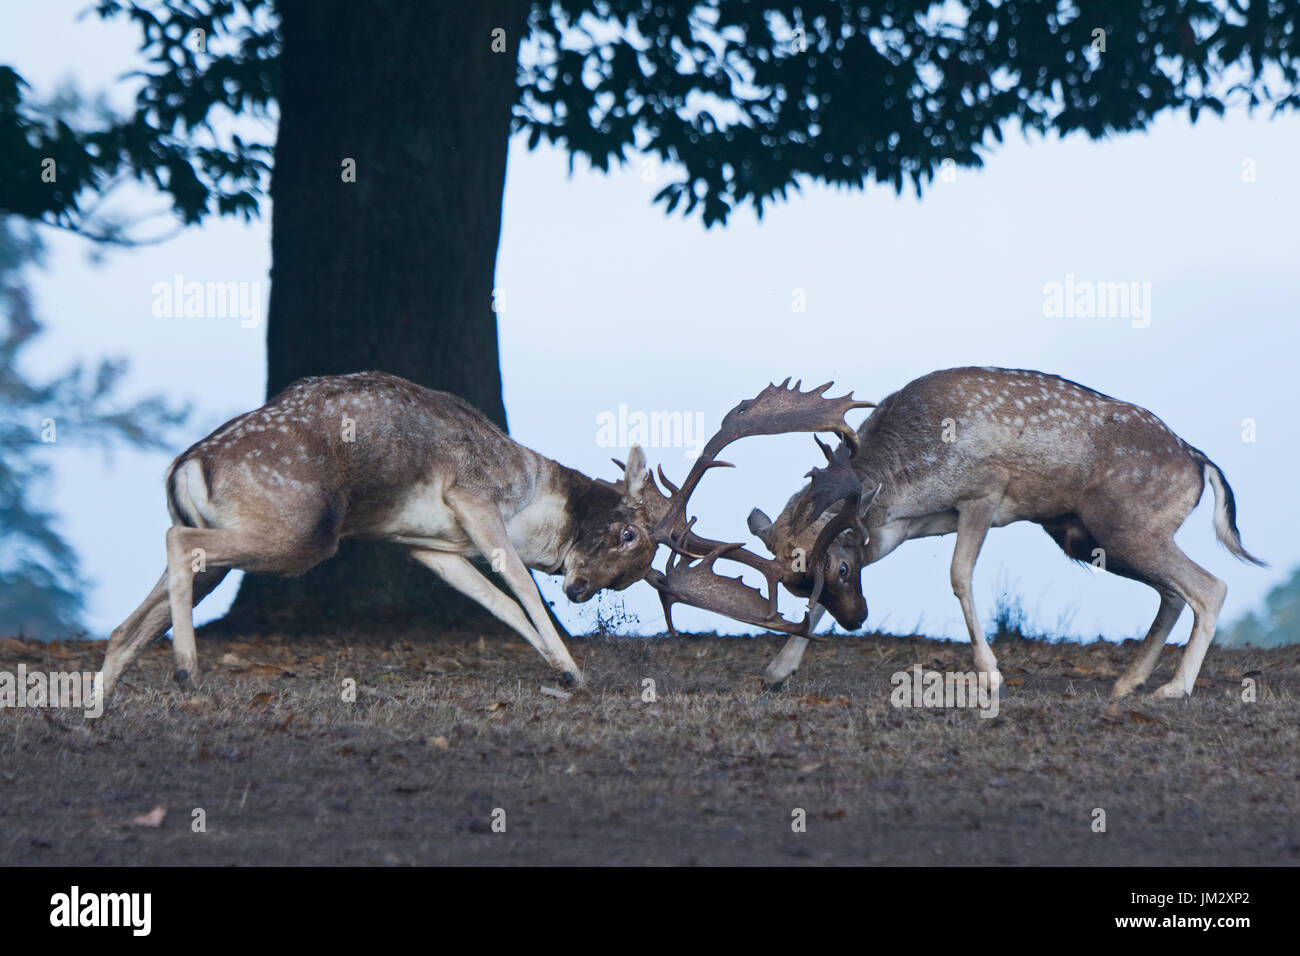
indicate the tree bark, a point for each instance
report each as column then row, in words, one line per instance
column 393, row 271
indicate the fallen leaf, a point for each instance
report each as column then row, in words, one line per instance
column 440, row 742
column 262, row 700
column 234, row 662
column 556, row 692
column 154, row 818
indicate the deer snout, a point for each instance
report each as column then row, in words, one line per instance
column 577, row 590
column 850, row 614
column 854, row 620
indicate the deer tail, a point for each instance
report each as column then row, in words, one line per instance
column 188, row 499
column 1225, row 510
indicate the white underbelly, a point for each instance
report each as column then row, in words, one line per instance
column 424, row 519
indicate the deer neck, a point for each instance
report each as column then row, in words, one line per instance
column 567, row 498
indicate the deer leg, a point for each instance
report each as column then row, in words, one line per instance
column 1205, row 593
column 882, row 541
column 973, row 523
column 180, row 590
column 224, row 548
column 482, row 522
column 146, row 624
column 1144, row 662
column 1159, row 562
column 460, row 574
column 787, row 660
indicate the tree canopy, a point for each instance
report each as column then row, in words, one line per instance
column 740, row 101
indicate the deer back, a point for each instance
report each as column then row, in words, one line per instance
column 1048, row 441
column 363, row 443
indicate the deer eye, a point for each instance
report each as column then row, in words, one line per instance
column 629, row 535
column 844, row 571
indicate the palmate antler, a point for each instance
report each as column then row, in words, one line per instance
column 689, row 578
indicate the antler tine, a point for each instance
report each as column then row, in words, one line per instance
column 826, row 449
column 779, row 408
column 621, row 467
column 699, row 585
column 774, row 410
column 688, row 575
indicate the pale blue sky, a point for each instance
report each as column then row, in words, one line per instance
column 609, row 302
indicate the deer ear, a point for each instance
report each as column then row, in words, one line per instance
column 634, row 476
column 760, row 525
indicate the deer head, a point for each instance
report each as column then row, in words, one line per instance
column 792, row 537
column 614, row 545
column 828, row 515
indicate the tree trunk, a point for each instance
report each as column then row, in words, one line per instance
column 392, row 271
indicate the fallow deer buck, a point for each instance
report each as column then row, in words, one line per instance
column 969, row 449
column 371, row 455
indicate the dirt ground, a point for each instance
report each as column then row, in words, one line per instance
column 450, row 736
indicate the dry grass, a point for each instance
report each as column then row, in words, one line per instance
column 446, row 729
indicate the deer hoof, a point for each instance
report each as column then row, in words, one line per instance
column 570, row 679
column 182, row 675
column 1171, row 691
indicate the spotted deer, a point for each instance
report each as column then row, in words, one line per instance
column 371, row 455
column 969, row 449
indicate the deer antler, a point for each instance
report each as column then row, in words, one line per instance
column 689, row 578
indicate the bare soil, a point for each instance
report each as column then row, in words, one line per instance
column 447, row 731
